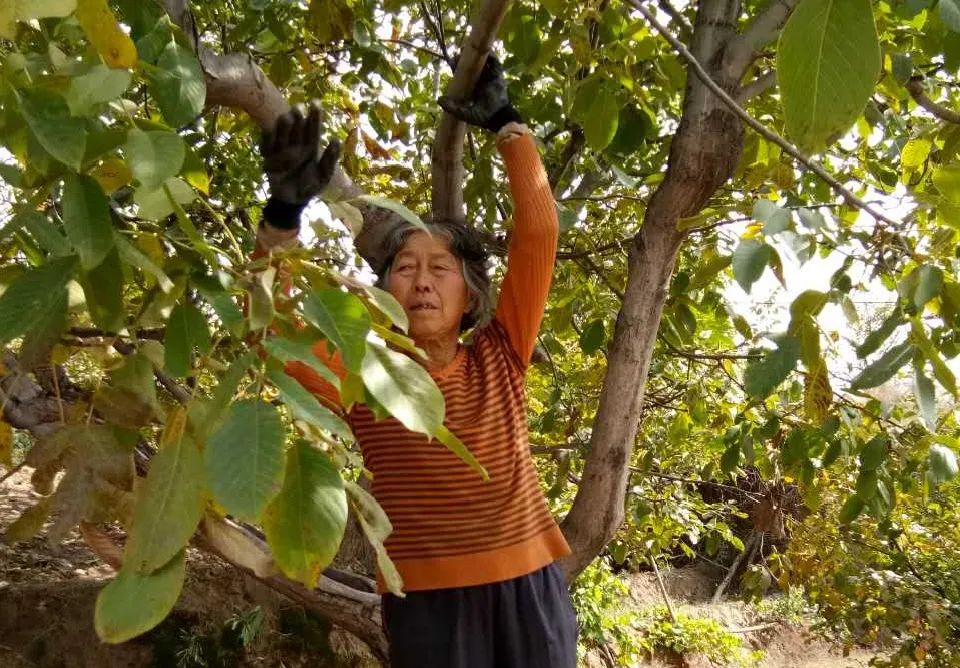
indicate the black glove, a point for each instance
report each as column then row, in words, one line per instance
column 489, row 106
column 294, row 168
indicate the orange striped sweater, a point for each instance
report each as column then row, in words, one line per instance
column 452, row 529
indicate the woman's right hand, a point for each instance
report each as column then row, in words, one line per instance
column 292, row 161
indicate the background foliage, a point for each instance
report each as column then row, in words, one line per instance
column 804, row 356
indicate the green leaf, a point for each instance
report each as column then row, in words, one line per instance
column 391, row 205
column 158, row 203
column 926, row 397
column 261, row 311
column 749, row 260
column 35, row 298
column 881, row 334
column 100, row 84
column 634, row 128
column 941, row 464
column 244, row 459
column 775, row 219
column 874, row 453
column 884, row 368
column 306, row 407
column 404, row 388
column 376, row 525
column 762, row 377
column 929, row 284
column 851, row 509
column 48, row 117
column 287, row 350
column 153, row 156
column 828, row 62
column 941, row 371
column 205, row 414
column 222, row 302
column 103, row 290
column 950, row 13
column 130, row 254
column 459, row 448
column 179, row 88
column 592, row 338
column 86, row 218
column 186, row 329
column 304, row 524
column 730, row 459
column 49, row 236
column 389, row 306
column 600, row 125
column 130, row 399
column 343, row 319
column 133, row 603
column 171, row 503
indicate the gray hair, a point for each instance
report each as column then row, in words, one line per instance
column 467, row 246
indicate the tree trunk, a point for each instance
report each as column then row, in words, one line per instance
column 704, row 154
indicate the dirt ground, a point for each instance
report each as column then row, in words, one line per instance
column 48, row 592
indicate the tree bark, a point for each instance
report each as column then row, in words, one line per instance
column 447, row 157
column 704, row 154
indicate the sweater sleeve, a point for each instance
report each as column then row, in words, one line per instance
column 533, row 243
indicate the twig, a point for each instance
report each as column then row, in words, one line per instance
column 747, row 554
column 756, row 125
column 663, row 588
column 756, row 87
column 915, row 87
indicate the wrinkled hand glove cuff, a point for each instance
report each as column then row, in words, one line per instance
column 503, row 116
column 283, row 215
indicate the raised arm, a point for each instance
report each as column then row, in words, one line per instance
column 533, row 243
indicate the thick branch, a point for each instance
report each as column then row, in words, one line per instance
column 756, row 125
column 915, row 87
column 763, row 30
column 235, row 80
column 447, row 158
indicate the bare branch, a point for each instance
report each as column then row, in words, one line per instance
column 915, row 87
column 756, row 125
column 686, row 29
column 447, row 158
column 758, row 86
column 763, row 30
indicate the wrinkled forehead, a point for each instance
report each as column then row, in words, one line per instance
column 422, row 244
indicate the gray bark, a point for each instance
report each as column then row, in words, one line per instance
column 703, row 155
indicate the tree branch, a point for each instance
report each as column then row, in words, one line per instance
column 756, row 87
column 447, row 158
column 915, row 88
column 756, row 125
column 235, row 80
column 763, row 30
column 686, row 29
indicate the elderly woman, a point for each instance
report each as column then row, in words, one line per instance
column 477, row 558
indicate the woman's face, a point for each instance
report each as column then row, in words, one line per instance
column 427, row 280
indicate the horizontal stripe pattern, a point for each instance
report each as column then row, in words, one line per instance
column 439, row 507
column 450, row 527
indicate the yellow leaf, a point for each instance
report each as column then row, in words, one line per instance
column 817, row 393
column 112, row 174
column 8, row 20
column 6, row 444
column 752, row 231
column 114, row 46
column 39, row 9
